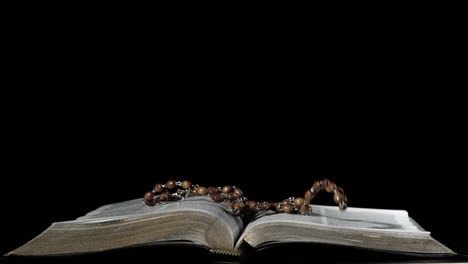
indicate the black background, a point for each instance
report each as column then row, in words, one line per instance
column 62, row 172
column 391, row 147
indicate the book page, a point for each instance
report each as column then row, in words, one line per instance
column 136, row 209
column 376, row 220
column 116, row 226
column 388, row 230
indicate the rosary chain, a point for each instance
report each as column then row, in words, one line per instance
column 237, row 204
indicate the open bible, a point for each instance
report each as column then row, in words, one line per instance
column 200, row 221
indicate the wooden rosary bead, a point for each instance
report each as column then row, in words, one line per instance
column 186, row 185
column 165, row 196
column 344, row 198
column 149, row 196
column 337, row 197
column 285, row 201
column 263, row 206
column 158, row 188
column 150, row 202
column 250, row 209
column 194, row 192
column 299, row 201
column 213, row 190
column 232, row 196
column 316, row 187
column 226, row 189
column 238, row 206
column 202, row 191
column 251, row 204
column 181, row 192
column 230, row 205
column 330, row 187
column 339, row 189
column 325, row 182
column 217, row 198
column 171, row 184
column 238, row 192
column 287, row 208
column 342, row 205
column 305, row 208
column 308, row 195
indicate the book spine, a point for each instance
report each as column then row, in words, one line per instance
column 225, row 252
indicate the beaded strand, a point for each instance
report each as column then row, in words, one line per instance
column 237, row 204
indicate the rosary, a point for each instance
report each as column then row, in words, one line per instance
column 238, row 204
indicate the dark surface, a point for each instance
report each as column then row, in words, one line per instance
column 295, row 252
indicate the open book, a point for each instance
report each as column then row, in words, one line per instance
column 200, row 221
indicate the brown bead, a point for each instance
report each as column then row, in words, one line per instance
column 213, row 190
column 238, row 192
column 299, row 201
column 343, row 205
column 217, row 198
column 150, row 202
column 337, row 197
column 171, row 184
column 226, row 189
column 250, row 209
column 274, row 206
column 285, row 201
column 287, row 208
column 325, row 182
column 308, row 195
column 238, row 206
column 230, row 205
column 251, row 204
column 186, row 185
column 330, row 187
column 262, row 206
column 202, row 190
column 149, row 196
column 316, row 187
column 232, row 196
column 164, row 196
column 158, row 188
column 181, row 192
column 339, row 189
column 304, row 208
